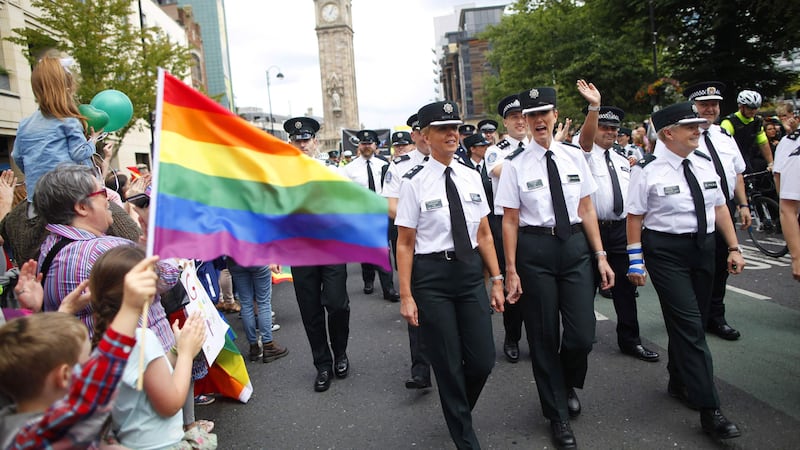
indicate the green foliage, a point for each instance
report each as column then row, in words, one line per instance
column 112, row 52
column 610, row 43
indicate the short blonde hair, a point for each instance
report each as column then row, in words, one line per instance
column 31, row 347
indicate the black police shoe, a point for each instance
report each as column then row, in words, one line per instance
column 511, row 350
column 323, row 380
column 341, row 367
column 640, row 352
column 391, row 295
column 562, row 434
column 417, row 382
column 715, row 424
column 573, row 403
column 724, row 331
column 369, row 287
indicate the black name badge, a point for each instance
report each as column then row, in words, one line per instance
column 573, row 178
column 672, row 190
column 535, row 184
column 475, row 197
column 709, row 185
column 433, row 204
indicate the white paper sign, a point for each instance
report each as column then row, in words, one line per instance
column 200, row 302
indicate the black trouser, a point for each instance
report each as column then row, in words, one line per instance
column 386, row 277
column 320, row 289
column 714, row 312
column 682, row 274
column 614, row 240
column 456, row 326
column 557, row 291
column 512, row 315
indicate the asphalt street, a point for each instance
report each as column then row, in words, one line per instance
column 625, row 403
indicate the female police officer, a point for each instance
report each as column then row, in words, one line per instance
column 676, row 195
column 441, row 218
column 549, row 227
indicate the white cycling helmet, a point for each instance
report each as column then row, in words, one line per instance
column 749, row 98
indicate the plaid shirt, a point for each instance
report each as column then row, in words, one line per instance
column 77, row 420
column 74, row 263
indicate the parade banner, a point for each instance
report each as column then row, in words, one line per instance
column 350, row 139
column 199, row 301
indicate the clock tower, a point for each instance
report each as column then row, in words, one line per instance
column 337, row 70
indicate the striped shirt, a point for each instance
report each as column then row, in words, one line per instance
column 74, row 262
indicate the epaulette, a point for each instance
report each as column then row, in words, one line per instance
column 702, row 155
column 794, row 134
column 725, row 132
column 648, row 158
column 381, row 157
column 414, row 170
column 464, row 163
column 571, row 145
column 401, row 158
column 514, row 154
column 504, row 144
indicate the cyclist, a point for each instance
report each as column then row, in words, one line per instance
column 747, row 128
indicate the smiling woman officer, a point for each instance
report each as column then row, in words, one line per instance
column 550, row 232
column 444, row 241
column 679, row 199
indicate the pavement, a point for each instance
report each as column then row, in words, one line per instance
column 625, row 403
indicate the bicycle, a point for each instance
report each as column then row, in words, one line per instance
column 765, row 231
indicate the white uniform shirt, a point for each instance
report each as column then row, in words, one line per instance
column 495, row 155
column 397, row 168
column 660, row 192
column 524, row 184
column 603, row 197
column 357, row 171
column 729, row 154
column 635, row 151
column 423, row 205
column 787, row 163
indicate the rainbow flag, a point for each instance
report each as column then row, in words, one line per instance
column 227, row 376
column 224, row 187
column 285, row 275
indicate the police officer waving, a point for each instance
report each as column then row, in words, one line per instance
column 678, row 200
column 549, row 233
column 443, row 243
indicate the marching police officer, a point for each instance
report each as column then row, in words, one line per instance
column 510, row 110
column 321, row 289
column 611, row 172
column 368, row 171
column 489, row 129
column 729, row 165
column 550, row 232
column 402, row 143
column 464, row 130
column 444, row 241
column 678, row 199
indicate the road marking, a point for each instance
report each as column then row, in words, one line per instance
column 599, row 316
column 748, row 293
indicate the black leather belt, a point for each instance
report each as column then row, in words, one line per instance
column 550, row 231
column 610, row 223
column 674, row 235
column 447, row 255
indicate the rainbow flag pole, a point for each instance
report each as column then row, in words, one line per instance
column 224, row 187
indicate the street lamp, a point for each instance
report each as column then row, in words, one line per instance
column 279, row 76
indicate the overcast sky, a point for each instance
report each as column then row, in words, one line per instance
column 392, row 41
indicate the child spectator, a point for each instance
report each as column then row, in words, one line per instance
column 56, row 132
column 38, row 357
column 150, row 418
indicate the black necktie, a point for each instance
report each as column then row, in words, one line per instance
column 478, row 167
column 699, row 202
column 559, row 204
column 370, row 179
column 458, row 223
column 521, row 145
column 614, row 185
column 717, row 165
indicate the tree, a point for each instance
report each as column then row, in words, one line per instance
column 110, row 51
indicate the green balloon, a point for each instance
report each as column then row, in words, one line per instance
column 95, row 118
column 117, row 105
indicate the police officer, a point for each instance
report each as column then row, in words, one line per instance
column 420, row 368
column 510, row 109
column 611, row 172
column 678, row 199
column 464, row 130
column 489, row 129
column 729, row 165
column 402, row 143
column 368, row 171
column 444, row 241
column 787, row 182
column 550, row 233
column 321, row 289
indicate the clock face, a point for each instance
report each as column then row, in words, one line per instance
column 330, row 12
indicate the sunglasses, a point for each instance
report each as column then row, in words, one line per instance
column 100, row 192
column 139, row 200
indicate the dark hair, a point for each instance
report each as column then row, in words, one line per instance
column 107, row 284
column 117, row 181
column 58, row 191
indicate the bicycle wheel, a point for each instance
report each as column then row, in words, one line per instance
column 766, row 229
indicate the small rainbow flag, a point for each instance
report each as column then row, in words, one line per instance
column 224, row 187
